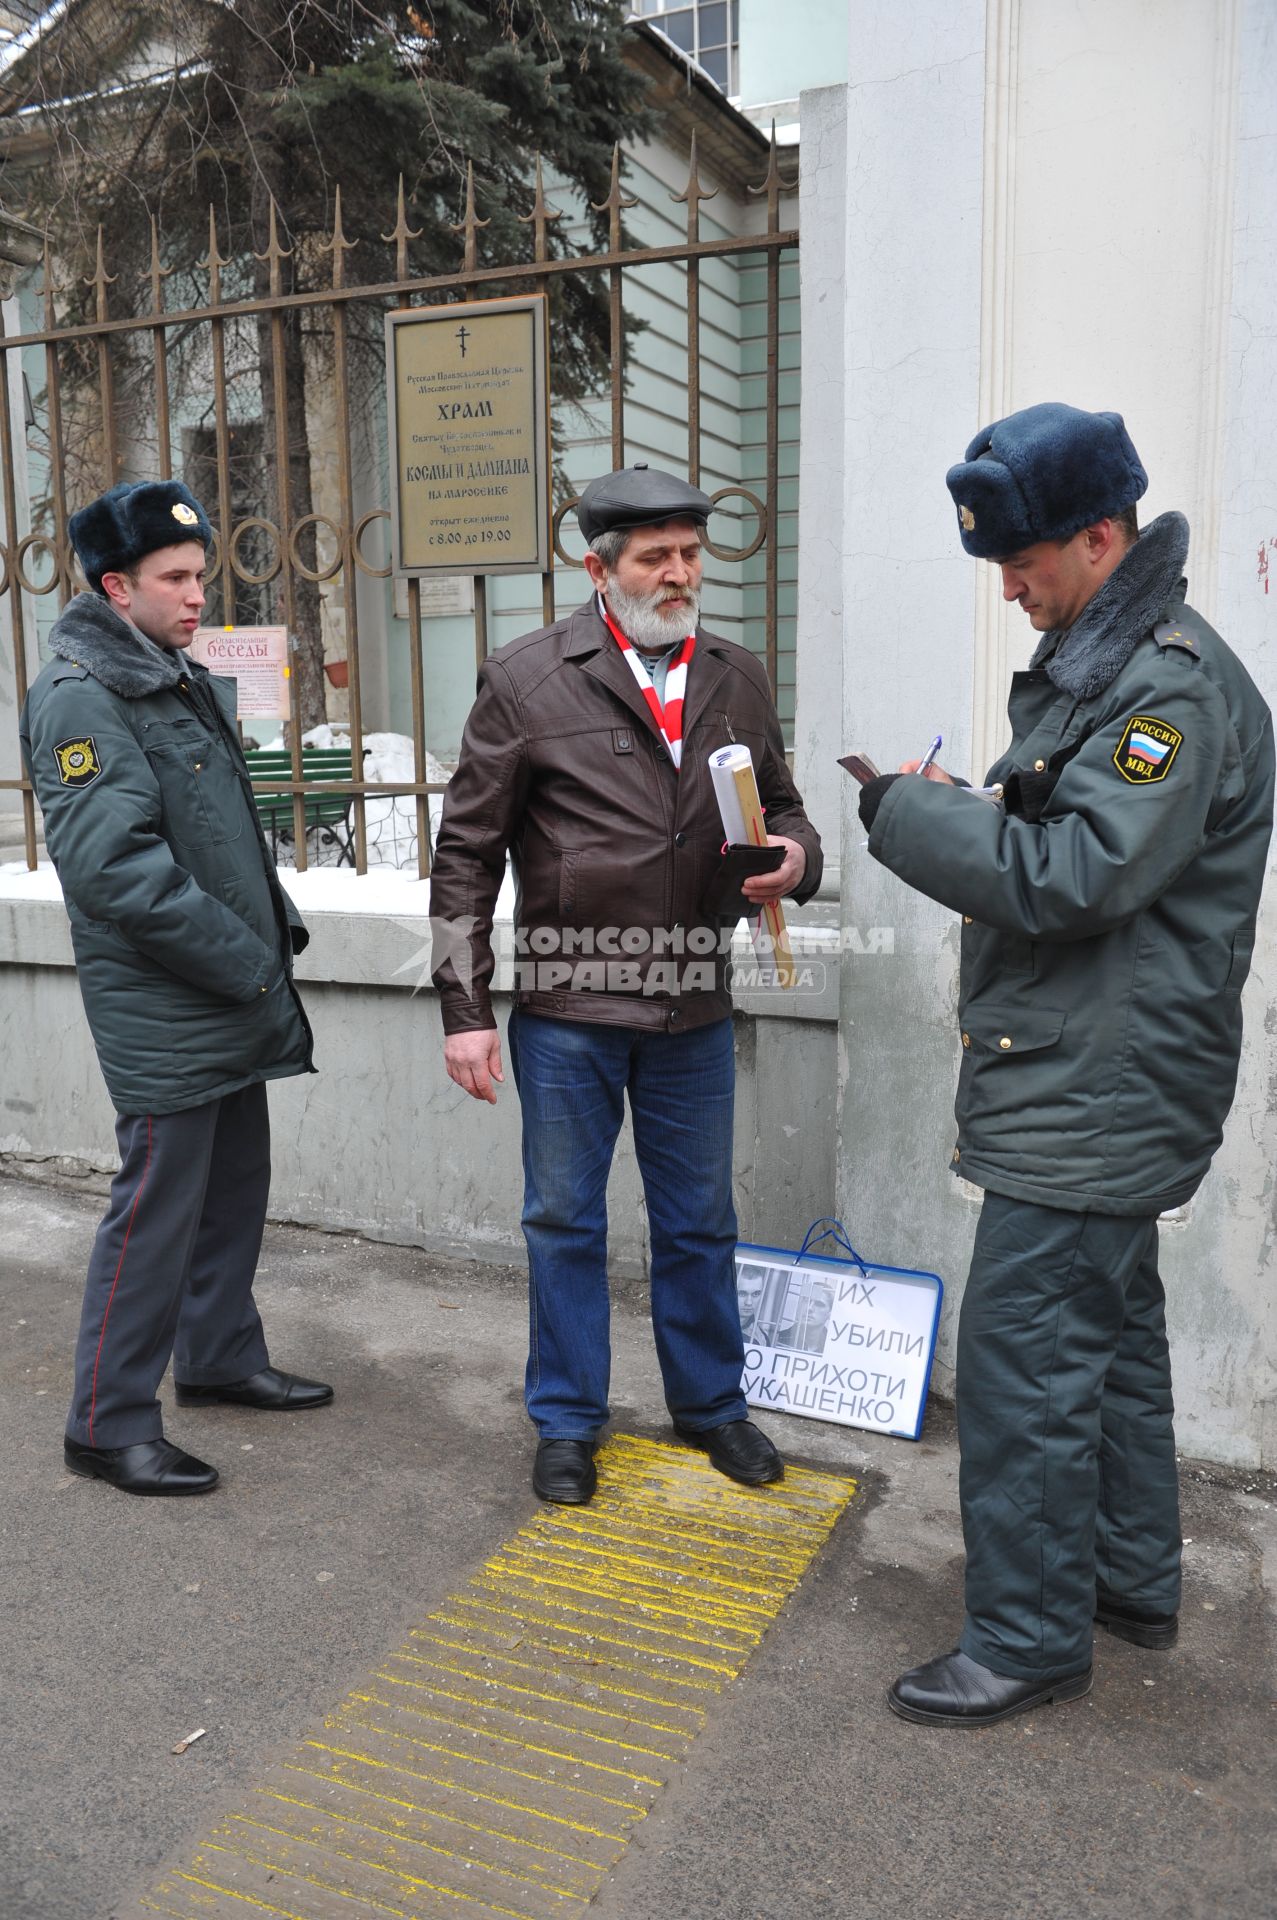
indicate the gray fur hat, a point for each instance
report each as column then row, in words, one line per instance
column 1043, row 474
column 133, row 519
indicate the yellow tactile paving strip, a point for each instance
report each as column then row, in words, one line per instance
column 497, row 1763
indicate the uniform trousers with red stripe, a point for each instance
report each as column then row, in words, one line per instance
column 172, row 1268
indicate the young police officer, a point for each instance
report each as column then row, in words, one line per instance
column 1108, row 885
column 183, row 942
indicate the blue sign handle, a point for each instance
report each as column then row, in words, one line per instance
column 831, row 1229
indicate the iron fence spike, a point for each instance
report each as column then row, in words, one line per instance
column 693, row 193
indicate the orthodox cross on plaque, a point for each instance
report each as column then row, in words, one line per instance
column 463, row 334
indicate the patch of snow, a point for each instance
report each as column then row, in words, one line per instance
column 380, row 890
column 392, row 822
column 18, row 883
column 319, row 890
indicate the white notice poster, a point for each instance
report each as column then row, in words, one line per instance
column 834, row 1340
column 256, row 657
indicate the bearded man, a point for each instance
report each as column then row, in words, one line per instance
column 585, row 758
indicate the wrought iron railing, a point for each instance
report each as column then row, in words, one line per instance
column 229, row 568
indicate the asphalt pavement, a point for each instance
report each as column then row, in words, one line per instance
column 128, row 1624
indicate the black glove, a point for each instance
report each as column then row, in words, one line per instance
column 871, row 798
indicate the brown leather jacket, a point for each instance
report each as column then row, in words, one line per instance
column 612, row 848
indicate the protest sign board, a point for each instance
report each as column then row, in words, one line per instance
column 839, row 1340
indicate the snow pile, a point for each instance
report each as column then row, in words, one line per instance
column 392, row 822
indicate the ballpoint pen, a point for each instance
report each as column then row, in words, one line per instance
column 930, row 754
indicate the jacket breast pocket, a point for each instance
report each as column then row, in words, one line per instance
column 202, row 800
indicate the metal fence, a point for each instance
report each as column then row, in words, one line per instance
column 255, row 551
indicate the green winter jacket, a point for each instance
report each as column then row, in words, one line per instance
column 183, row 936
column 1109, row 900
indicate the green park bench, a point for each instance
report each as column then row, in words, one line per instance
column 326, row 814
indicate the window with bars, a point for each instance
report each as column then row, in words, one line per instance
column 708, row 30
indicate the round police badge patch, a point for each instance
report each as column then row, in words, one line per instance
column 78, row 763
column 1147, row 749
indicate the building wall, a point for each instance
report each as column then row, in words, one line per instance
column 1008, row 203
column 786, row 49
column 379, row 1140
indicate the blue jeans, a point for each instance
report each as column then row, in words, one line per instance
column 573, row 1077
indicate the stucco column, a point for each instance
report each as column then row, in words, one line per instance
column 891, row 301
column 950, row 277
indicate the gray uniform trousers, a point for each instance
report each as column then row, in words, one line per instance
column 1067, row 1478
column 172, row 1267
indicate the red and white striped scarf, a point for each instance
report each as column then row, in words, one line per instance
column 667, row 719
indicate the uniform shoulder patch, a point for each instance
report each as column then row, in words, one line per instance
column 1176, row 633
column 78, row 762
column 1147, row 749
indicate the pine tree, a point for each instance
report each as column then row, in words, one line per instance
column 278, row 104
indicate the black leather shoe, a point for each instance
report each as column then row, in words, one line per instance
column 740, row 1450
column 565, row 1471
column 148, row 1466
column 956, row 1691
column 269, row 1390
column 1142, row 1629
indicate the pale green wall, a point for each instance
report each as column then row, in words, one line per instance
column 786, row 45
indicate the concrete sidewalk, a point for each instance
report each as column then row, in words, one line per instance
column 129, row 1623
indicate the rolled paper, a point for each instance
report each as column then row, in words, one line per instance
column 736, row 789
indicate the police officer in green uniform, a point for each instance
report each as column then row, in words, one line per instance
column 1108, row 879
column 184, row 943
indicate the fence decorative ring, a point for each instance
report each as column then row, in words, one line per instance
column 19, row 574
column 565, row 507
column 310, row 573
column 240, row 570
column 743, row 553
column 366, row 566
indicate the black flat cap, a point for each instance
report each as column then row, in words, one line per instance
column 639, row 496
column 135, row 518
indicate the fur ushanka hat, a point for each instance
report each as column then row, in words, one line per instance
column 121, row 527
column 1043, row 474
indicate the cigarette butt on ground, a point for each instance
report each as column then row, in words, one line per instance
column 190, row 1740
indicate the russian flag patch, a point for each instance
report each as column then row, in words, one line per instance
column 1147, row 749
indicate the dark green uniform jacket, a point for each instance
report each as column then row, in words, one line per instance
column 183, row 935
column 1109, row 904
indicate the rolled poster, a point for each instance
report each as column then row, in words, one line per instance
column 732, row 771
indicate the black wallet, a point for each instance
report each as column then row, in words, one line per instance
column 723, row 899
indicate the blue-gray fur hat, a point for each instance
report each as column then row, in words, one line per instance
column 1043, row 474
column 121, row 527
